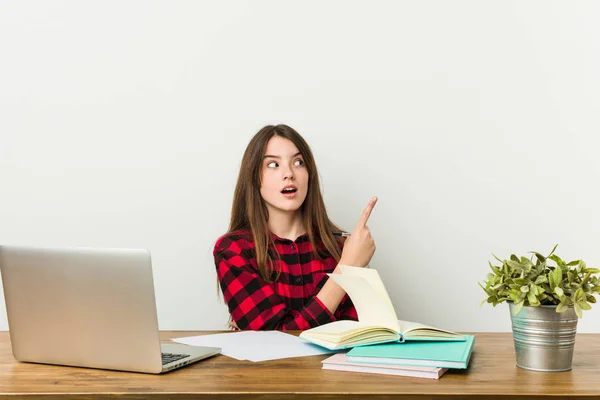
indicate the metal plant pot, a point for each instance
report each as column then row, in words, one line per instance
column 544, row 339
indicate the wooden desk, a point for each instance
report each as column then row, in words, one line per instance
column 492, row 374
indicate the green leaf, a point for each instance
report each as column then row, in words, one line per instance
column 497, row 258
column 584, row 305
column 525, row 288
column 557, row 260
column 533, row 301
column 519, row 307
column 505, row 269
column 525, row 261
column 514, row 265
column 541, row 279
column 592, row 270
column 552, row 280
column 578, row 310
column 539, row 257
column 559, row 292
column 572, row 263
column 562, row 307
column 541, row 268
column 554, row 248
column 497, row 271
column 485, row 289
column 557, row 276
column 520, row 281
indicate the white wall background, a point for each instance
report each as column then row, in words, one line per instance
column 122, row 124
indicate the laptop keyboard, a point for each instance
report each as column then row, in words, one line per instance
column 170, row 357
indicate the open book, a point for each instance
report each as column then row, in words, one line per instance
column 377, row 321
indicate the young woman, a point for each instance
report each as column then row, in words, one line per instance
column 272, row 264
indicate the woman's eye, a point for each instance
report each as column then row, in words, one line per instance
column 298, row 162
column 272, row 164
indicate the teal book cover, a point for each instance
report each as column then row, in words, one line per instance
column 426, row 353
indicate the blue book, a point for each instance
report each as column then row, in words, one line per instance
column 377, row 321
column 424, row 354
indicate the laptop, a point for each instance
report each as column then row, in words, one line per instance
column 87, row 307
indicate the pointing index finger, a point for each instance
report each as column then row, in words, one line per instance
column 367, row 212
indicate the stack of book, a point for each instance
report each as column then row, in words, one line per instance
column 380, row 342
column 425, row 359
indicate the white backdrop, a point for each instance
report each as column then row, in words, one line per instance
column 122, row 124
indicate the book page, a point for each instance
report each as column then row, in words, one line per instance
column 346, row 333
column 371, row 308
column 373, row 278
column 406, row 327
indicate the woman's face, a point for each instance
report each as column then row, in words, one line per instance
column 284, row 179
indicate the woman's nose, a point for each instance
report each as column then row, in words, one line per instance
column 288, row 173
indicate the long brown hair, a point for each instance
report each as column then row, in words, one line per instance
column 249, row 211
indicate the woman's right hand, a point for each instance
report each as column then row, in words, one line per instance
column 360, row 246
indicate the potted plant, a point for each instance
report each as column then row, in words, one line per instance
column 546, row 298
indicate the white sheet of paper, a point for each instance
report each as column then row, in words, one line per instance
column 256, row 345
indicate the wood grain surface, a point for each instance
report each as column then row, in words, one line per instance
column 492, row 374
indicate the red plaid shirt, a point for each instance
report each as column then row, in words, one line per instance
column 290, row 302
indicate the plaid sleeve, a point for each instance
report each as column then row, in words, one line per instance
column 346, row 310
column 252, row 302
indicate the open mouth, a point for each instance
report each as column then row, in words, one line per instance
column 289, row 190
